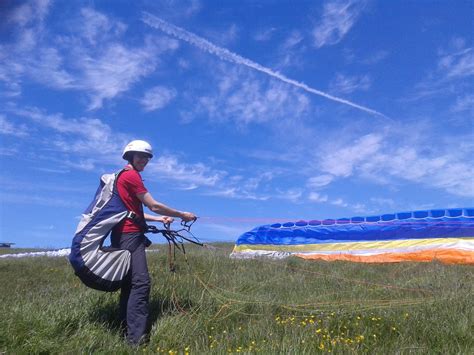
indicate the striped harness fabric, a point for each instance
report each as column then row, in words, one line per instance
column 98, row 267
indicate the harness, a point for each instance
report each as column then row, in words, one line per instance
column 99, row 267
column 105, row 268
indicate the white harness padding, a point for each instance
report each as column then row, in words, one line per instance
column 98, row 267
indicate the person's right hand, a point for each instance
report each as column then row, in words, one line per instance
column 188, row 216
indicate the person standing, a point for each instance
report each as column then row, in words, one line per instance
column 129, row 235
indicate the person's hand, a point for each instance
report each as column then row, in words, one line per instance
column 167, row 220
column 188, row 216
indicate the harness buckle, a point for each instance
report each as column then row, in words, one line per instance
column 131, row 215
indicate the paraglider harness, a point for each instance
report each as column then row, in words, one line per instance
column 103, row 268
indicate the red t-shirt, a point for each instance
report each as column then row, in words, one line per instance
column 129, row 185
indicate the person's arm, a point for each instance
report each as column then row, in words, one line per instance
column 160, row 208
column 154, row 218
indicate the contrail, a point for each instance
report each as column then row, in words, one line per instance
column 225, row 54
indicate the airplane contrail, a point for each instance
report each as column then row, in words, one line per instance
column 225, row 54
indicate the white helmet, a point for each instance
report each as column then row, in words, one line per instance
column 137, row 146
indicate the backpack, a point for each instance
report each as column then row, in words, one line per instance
column 98, row 267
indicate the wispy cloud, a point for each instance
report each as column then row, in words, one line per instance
column 343, row 84
column 238, row 194
column 342, row 161
column 293, row 39
column 20, row 56
column 376, row 57
column 11, row 129
column 374, row 157
column 225, row 54
column 464, row 103
column 337, row 19
column 117, row 68
column 83, row 137
column 292, row 51
column 29, row 12
column 91, row 58
column 265, row 34
column 157, row 98
column 88, row 143
column 319, row 181
column 188, row 175
column 457, row 65
column 294, row 194
column 317, row 197
column 451, row 76
column 97, row 28
column 244, row 99
column 244, row 188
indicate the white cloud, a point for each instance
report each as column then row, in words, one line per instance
column 91, row 57
column 457, row 65
column 386, row 160
column 227, row 55
column 264, row 35
column 98, row 28
column 157, row 97
column 240, row 187
column 86, row 143
column 245, row 99
column 316, row 197
column 194, row 175
column 237, row 193
column 293, row 194
column 464, row 103
column 35, row 10
column 452, row 75
column 343, row 84
column 339, row 202
column 342, row 161
column 376, row 57
column 89, row 139
column 338, row 18
column 114, row 71
column 11, row 129
column 319, row 181
column 291, row 52
column 293, row 39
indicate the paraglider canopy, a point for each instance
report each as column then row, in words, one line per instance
column 442, row 234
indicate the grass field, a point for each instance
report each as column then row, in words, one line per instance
column 220, row 305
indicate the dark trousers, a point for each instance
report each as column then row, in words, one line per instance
column 135, row 293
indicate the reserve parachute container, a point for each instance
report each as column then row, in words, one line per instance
column 99, row 267
column 446, row 235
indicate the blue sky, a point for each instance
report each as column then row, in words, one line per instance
column 258, row 111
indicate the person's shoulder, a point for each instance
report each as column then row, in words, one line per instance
column 130, row 174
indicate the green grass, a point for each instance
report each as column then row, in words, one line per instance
column 220, row 305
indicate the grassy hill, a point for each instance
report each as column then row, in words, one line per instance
column 218, row 305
